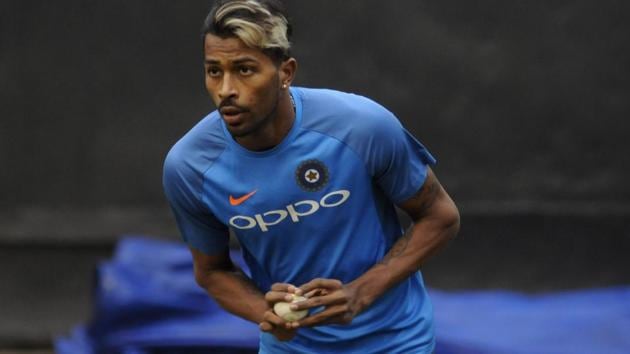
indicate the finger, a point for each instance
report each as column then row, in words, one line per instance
column 287, row 288
column 333, row 314
column 276, row 296
column 312, row 293
column 334, row 298
column 265, row 326
column 316, row 292
column 281, row 286
column 273, row 319
column 329, row 284
column 295, row 290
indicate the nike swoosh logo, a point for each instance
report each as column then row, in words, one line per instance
column 240, row 200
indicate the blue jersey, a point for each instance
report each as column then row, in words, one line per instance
column 318, row 205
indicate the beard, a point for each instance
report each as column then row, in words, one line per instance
column 256, row 124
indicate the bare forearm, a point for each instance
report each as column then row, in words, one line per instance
column 236, row 293
column 436, row 221
column 406, row 256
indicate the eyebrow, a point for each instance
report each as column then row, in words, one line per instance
column 238, row 61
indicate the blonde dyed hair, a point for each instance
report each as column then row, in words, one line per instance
column 259, row 24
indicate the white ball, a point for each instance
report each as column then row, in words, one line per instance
column 282, row 309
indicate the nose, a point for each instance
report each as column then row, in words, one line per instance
column 227, row 88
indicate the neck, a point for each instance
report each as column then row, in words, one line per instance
column 276, row 129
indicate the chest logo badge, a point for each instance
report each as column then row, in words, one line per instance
column 241, row 200
column 311, row 175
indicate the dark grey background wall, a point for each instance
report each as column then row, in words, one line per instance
column 525, row 104
column 520, row 101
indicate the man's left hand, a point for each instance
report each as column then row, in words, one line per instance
column 339, row 301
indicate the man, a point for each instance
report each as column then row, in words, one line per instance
column 307, row 180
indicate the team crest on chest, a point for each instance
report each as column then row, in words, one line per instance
column 311, row 175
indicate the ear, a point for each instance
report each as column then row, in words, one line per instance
column 288, row 69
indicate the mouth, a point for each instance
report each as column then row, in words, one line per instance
column 232, row 115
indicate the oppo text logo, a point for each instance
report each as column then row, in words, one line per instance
column 293, row 211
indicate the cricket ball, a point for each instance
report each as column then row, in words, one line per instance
column 283, row 310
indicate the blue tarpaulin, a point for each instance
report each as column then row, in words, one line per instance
column 147, row 302
column 586, row 321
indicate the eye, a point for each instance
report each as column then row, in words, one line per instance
column 213, row 71
column 246, row 70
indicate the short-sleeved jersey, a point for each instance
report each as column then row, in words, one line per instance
column 318, row 205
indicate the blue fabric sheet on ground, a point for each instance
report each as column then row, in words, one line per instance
column 147, row 302
column 146, row 299
column 585, row 321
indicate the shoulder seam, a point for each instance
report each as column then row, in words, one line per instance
column 344, row 144
column 203, row 180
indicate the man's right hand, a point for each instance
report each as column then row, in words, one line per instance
column 273, row 323
column 276, row 326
